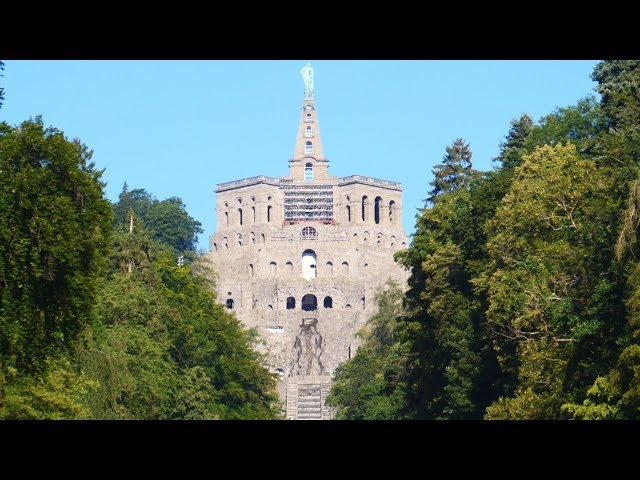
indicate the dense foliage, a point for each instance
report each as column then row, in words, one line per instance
column 524, row 299
column 97, row 320
column 166, row 220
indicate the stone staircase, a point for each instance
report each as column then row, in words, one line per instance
column 309, row 401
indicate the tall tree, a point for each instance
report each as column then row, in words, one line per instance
column 511, row 148
column 54, row 236
column 166, row 220
column 454, row 172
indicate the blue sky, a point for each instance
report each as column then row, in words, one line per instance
column 176, row 128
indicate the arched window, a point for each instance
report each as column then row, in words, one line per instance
column 253, row 237
column 239, row 201
column 347, row 306
column 251, row 269
column 345, row 268
column 215, row 247
column 393, row 240
column 364, row 203
column 239, row 240
column 328, row 302
column 308, row 132
column 262, row 237
column 363, row 302
column 309, row 232
column 308, row 264
column 308, row 118
column 288, row 268
column 392, row 210
column 329, row 269
column 291, row 303
column 273, row 269
column 365, row 236
column 348, row 213
column 226, row 219
column 240, row 215
column 253, row 212
column 269, row 213
column 308, row 169
column 309, row 303
column 229, row 303
column 376, row 209
column 226, row 242
column 308, row 147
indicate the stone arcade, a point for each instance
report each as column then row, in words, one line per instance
column 300, row 258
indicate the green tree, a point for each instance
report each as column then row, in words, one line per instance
column 511, row 149
column 54, row 236
column 166, row 220
column 546, row 238
column 366, row 386
column 454, row 172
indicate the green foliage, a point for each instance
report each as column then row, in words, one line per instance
column 57, row 395
column 54, row 236
column 162, row 348
column 511, row 149
column 366, row 386
column 454, row 172
column 166, row 220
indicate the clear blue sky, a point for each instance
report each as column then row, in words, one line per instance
column 176, row 128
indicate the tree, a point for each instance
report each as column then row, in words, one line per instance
column 167, row 220
column 54, row 236
column 511, row 148
column 619, row 86
column 366, row 385
column 549, row 238
column 454, row 172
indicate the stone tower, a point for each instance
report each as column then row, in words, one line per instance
column 300, row 258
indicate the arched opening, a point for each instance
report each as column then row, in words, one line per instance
column 309, row 232
column 262, row 237
column 308, row 170
column 363, row 302
column 327, row 302
column 392, row 210
column 273, row 269
column 269, row 213
column 226, row 242
column 329, row 269
column 345, row 268
column 348, row 213
column 393, row 240
column 215, row 247
column 239, row 240
column 308, row 131
column 229, row 303
column 308, row 147
column 376, row 209
column 253, row 237
column 288, row 268
column 347, row 306
column 253, row 214
column 251, row 269
column 308, row 118
column 364, row 203
column 309, row 264
column 309, row 303
column 291, row 303
column 226, row 219
column 240, row 215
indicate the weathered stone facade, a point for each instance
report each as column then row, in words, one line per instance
column 300, row 258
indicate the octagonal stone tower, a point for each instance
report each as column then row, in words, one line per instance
column 300, row 258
